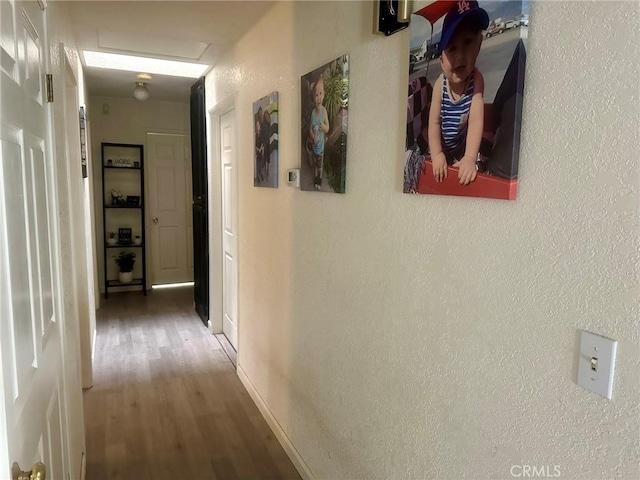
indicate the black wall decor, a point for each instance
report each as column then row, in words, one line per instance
column 83, row 142
column 385, row 18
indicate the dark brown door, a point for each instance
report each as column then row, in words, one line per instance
column 200, row 196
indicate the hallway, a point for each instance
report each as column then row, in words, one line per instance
column 166, row 401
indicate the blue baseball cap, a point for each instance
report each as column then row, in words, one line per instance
column 467, row 10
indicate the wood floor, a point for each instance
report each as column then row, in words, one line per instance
column 166, row 401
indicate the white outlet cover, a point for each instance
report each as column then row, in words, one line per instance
column 602, row 349
column 293, row 177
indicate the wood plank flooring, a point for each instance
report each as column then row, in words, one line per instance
column 166, row 401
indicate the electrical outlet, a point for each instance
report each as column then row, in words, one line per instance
column 596, row 363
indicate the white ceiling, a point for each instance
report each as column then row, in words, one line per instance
column 190, row 31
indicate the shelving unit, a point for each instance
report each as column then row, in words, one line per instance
column 123, row 170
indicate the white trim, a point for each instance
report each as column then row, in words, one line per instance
column 83, row 467
column 215, row 209
column 285, row 441
column 93, row 346
column 74, row 342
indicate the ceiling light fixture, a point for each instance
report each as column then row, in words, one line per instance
column 135, row 64
column 141, row 92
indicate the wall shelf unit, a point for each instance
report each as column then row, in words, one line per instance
column 123, row 211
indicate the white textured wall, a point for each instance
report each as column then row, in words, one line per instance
column 398, row 336
column 128, row 121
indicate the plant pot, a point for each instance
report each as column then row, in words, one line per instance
column 111, row 241
column 137, row 241
column 125, row 277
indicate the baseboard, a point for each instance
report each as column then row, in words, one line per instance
column 83, row 467
column 228, row 348
column 280, row 434
column 93, row 345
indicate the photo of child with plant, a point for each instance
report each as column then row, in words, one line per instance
column 324, row 127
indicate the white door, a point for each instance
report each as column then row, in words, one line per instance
column 171, row 227
column 229, row 228
column 33, row 423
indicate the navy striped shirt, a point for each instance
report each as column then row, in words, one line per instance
column 454, row 117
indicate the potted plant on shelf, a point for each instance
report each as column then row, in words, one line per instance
column 126, row 261
column 111, row 239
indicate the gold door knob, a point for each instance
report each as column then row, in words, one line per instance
column 38, row 472
column 155, row 219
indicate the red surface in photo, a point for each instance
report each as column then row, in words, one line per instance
column 484, row 185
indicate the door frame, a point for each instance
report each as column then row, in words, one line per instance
column 76, row 334
column 149, row 165
column 84, row 289
column 215, row 214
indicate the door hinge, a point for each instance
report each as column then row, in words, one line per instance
column 49, row 87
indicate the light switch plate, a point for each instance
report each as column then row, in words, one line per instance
column 293, row 177
column 596, row 363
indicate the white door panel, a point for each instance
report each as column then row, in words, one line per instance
column 229, row 233
column 169, row 167
column 168, row 237
column 8, row 44
column 33, row 421
column 21, row 331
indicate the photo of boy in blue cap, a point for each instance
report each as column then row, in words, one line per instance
column 457, row 106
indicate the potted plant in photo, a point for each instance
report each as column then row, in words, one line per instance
column 111, row 238
column 126, row 261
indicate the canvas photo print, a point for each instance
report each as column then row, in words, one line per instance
column 265, row 128
column 324, row 107
column 465, row 93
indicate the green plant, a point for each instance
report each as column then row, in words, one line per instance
column 336, row 88
column 335, row 163
column 126, row 261
column 112, row 234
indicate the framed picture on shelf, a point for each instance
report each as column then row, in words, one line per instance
column 133, row 201
column 124, row 236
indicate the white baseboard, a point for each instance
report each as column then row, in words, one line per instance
column 83, row 467
column 280, row 434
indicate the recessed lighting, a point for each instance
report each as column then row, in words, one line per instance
column 143, row 64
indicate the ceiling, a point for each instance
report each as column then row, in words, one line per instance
column 190, row 31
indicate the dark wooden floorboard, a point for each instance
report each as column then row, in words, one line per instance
column 166, row 402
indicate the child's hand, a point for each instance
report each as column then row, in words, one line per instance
column 439, row 163
column 467, row 170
